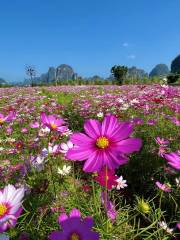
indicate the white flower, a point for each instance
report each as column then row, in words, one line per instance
column 120, row 100
column 64, row 147
column 65, row 170
column 125, row 106
column 53, row 149
column 67, row 133
column 165, row 227
column 44, row 131
column 100, row 115
column 121, row 183
column 134, row 101
column 177, row 182
column 38, row 163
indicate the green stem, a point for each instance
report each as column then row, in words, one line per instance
column 52, row 179
column 160, row 200
column 106, row 197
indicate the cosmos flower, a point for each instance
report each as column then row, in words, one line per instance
column 44, row 131
column 39, row 162
column 151, row 122
column 121, row 183
column 163, row 187
column 177, row 182
column 173, row 159
column 65, row 170
column 104, row 144
column 161, row 141
column 53, row 123
column 34, row 125
column 7, row 118
column 64, row 147
column 176, row 121
column 178, row 225
column 100, row 115
column 107, row 178
column 74, row 228
column 165, row 227
column 52, row 150
column 10, row 206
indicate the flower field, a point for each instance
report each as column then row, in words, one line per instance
column 90, row 162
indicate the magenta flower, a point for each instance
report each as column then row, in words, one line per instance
column 162, row 151
column 107, row 178
column 7, row 118
column 163, row 187
column 162, row 141
column 53, row 123
column 104, row 144
column 10, row 206
column 173, row 159
column 178, row 225
column 176, row 121
column 74, row 228
column 34, row 125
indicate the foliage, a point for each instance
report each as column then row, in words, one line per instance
column 172, row 78
column 153, row 110
column 119, row 72
column 175, row 65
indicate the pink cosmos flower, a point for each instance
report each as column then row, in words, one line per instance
column 10, row 206
column 162, row 151
column 163, row 187
column 24, row 130
column 151, row 122
column 161, row 141
column 176, row 121
column 9, row 130
column 178, row 225
column 104, row 144
column 34, row 125
column 173, row 159
column 107, row 178
column 53, row 123
column 7, row 118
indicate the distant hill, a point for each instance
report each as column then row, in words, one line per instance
column 2, row 81
column 136, row 73
column 159, row 70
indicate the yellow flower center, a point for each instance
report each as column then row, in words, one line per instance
column 3, row 209
column 74, row 236
column 102, row 142
column 53, row 126
column 1, row 121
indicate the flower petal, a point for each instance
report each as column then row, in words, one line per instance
column 92, row 128
column 109, row 124
column 79, row 153
column 129, row 145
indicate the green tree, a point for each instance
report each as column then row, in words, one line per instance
column 119, row 72
column 175, row 65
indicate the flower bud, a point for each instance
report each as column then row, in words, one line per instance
column 143, row 206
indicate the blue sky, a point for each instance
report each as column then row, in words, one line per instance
column 89, row 35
